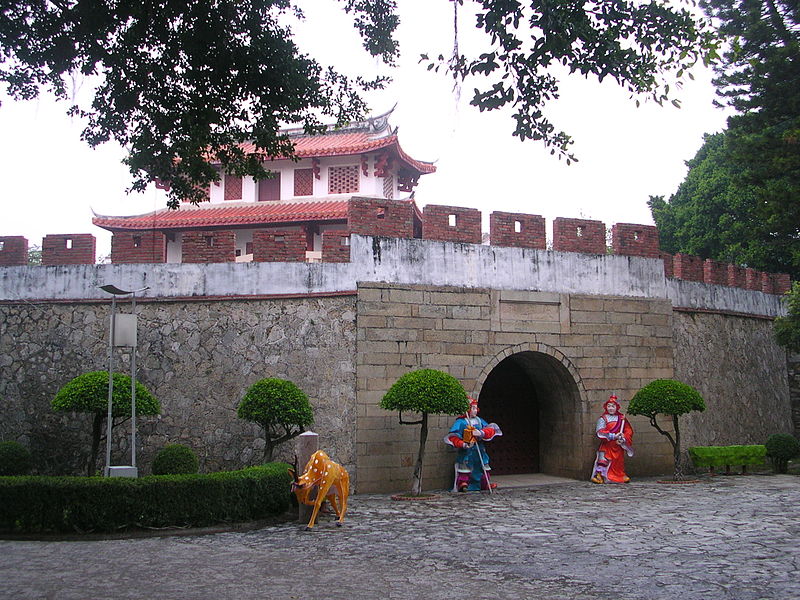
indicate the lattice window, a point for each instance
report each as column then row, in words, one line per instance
column 343, row 180
column 233, row 187
column 304, row 182
column 388, row 187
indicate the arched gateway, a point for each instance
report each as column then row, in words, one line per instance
column 536, row 396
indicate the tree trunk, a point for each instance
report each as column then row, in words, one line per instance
column 676, row 448
column 268, row 448
column 97, row 433
column 416, row 482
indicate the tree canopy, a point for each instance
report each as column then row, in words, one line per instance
column 88, row 393
column 280, row 407
column 181, row 84
column 425, row 391
column 787, row 329
column 745, row 182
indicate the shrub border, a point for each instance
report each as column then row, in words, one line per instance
column 30, row 504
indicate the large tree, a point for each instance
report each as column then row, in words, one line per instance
column 751, row 174
column 180, row 82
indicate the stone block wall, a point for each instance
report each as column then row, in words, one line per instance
column 451, row 224
column 279, row 246
column 381, row 217
column 68, row 249
column 576, row 349
column 13, row 251
column 198, row 358
column 335, row 246
column 517, row 230
column 579, row 235
column 138, row 247
column 212, row 246
column 635, row 240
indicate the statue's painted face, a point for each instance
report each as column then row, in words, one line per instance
column 473, row 410
column 611, row 408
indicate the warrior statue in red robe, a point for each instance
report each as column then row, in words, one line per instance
column 616, row 440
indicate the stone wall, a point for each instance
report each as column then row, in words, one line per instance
column 198, row 358
column 794, row 390
column 741, row 373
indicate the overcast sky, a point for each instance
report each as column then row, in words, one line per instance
column 52, row 181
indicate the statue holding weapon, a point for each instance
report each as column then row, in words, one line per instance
column 468, row 435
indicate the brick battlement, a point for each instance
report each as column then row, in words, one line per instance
column 68, row 249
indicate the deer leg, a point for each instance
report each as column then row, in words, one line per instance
column 322, row 491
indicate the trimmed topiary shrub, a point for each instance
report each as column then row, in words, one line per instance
column 280, row 407
column 112, row 504
column 88, row 393
column 175, row 459
column 425, row 391
column 781, row 448
column 667, row 397
column 15, row 459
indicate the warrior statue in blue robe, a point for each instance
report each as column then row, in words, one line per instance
column 468, row 435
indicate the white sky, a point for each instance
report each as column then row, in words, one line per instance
column 51, row 180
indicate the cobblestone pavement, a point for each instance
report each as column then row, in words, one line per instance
column 727, row 538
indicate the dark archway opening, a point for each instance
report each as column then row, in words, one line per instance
column 535, row 400
column 508, row 398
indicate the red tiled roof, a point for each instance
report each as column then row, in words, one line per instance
column 219, row 214
column 348, row 143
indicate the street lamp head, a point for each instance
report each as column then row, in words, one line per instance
column 112, row 289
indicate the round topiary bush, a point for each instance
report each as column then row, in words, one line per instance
column 175, row 459
column 15, row 459
column 781, row 448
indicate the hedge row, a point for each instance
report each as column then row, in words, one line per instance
column 95, row 504
column 721, row 456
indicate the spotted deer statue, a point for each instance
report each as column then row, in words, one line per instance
column 331, row 482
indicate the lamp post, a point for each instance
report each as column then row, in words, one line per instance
column 122, row 333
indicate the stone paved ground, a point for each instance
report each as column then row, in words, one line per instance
column 726, row 538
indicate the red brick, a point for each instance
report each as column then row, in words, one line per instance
column 381, row 217
column 335, row 246
column 687, row 267
column 579, row 235
column 629, row 239
column 68, row 249
column 211, row 246
column 14, row 251
column 138, row 247
column 503, row 230
column 436, row 224
column 276, row 245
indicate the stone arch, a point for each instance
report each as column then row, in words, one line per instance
column 540, row 395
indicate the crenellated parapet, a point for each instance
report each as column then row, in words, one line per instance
column 387, row 218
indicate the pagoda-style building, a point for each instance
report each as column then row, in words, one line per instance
column 355, row 179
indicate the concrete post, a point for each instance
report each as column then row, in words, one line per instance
column 307, row 443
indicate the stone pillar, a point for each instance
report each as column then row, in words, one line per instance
column 305, row 445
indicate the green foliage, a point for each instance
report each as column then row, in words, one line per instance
column 739, row 200
column 15, row 459
column 426, row 391
column 89, row 393
column 781, row 448
column 666, row 397
column 35, row 255
column 280, row 407
column 527, row 44
column 181, row 80
column 722, row 456
column 175, row 459
column 85, row 504
column 787, row 329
